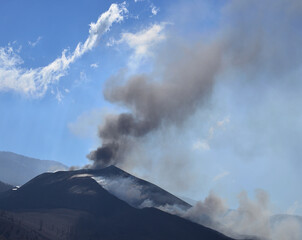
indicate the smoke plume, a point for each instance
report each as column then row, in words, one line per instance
column 257, row 41
column 183, row 87
column 246, row 41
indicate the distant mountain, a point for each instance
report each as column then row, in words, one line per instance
column 16, row 169
column 5, row 187
column 72, row 205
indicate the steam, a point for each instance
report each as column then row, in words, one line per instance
column 251, row 218
column 127, row 190
column 138, row 194
column 207, row 212
column 289, row 228
column 183, row 76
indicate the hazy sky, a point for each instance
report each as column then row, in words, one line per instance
column 244, row 133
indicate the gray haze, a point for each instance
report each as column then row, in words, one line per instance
column 258, row 39
column 253, row 217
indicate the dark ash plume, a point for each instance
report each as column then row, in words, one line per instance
column 106, row 153
column 184, row 84
column 247, row 42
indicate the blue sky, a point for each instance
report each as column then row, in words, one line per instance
column 245, row 136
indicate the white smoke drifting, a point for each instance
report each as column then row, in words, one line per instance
column 251, row 218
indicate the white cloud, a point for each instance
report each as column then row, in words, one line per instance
column 221, row 175
column 201, row 144
column 223, row 122
column 33, row 44
column 204, row 144
column 94, row 65
column 8, row 58
column 211, row 132
column 154, row 9
column 59, row 95
column 83, row 79
column 35, row 82
column 141, row 42
column 111, row 42
column 294, row 208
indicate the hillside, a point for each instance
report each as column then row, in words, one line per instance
column 77, row 207
column 18, row 169
column 4, row 187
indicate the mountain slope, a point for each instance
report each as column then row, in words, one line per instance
column 4, row 187
column 142, row 194
column 97, row 213
column 17, row 169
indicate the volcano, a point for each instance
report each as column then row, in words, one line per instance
column 73, row 205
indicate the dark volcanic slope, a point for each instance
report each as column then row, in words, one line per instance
column 149, row 191
column 62, row 190
column 107, row 217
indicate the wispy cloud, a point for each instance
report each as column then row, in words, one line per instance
column 86, row 124
column 154, row 9
column 34, row 43
column 35, row 82
column 201, row 144
column 294, row 208
column 141, row 42
column 59, row 95
column 83, row 79
column 221, row 175
column 8, row 57
column 94, row 65
column 204, row 144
